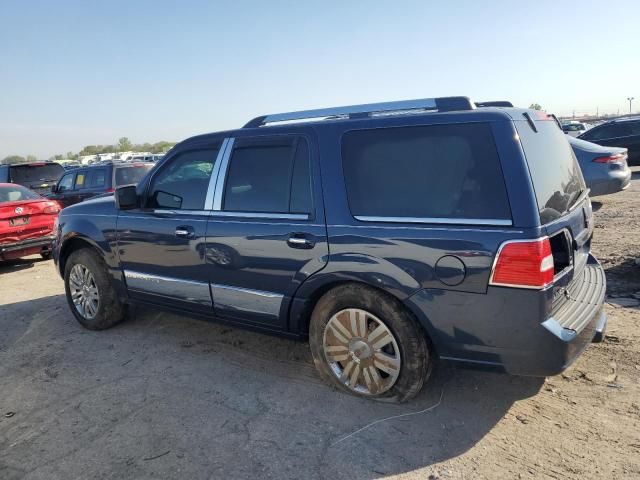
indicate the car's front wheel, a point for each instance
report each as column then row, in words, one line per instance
column 365, row 342
column 90, row 294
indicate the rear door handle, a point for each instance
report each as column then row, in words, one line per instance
column 299, row 240
column 185, row 232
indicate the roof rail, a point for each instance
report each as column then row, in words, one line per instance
column 440, row 104
column 494, row 103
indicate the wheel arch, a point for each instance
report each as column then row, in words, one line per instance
column 302, row 307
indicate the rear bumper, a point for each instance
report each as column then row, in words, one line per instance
column 14, row 249
column 614, row 181
column 508, row 329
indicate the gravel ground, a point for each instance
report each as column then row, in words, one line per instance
column 162, row 396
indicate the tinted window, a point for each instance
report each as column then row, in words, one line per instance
column 66, row 182
column 131, row 175
column 16, row 193
column 36, row 173
column 97, row 178
column 182, row 183
column 439, row 171
column 555, row 174
column 80, row 180
column 269, row 175
column 608, row 131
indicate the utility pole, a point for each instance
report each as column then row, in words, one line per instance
column 630, row 99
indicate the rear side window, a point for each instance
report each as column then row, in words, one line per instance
column 97, row 178
column 555, row 174
column 428, row 172
column 612, row 130
column 270, row 176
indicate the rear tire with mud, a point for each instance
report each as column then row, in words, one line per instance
column 366, row 343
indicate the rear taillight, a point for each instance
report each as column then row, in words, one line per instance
column 110, row 190
column 523, row 264
column 617, row 158
column 51, row 207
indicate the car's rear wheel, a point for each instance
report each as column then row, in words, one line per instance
column 366, row 343
column 46, row 254
column 90, row 294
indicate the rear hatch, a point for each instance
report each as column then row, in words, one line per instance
column 36, row 176
column 26, row 219
column 563, row 203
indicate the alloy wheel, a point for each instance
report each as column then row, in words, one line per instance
column 84, row 291
column 361, row 351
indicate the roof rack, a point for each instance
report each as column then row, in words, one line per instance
column 494, row 103
column 440, row 104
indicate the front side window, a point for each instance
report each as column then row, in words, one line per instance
column 428, row 172
column 269, row 175
column 66, row 182
column 182, row 183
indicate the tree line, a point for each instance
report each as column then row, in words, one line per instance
column 123, row 145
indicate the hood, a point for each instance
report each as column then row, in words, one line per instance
column 102, row 205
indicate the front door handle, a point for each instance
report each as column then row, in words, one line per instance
column 185, row 232
column 298, row 240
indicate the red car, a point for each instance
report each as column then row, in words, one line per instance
column 26, row 222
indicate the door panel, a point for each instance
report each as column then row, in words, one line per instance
column 161, row 244
column 266, row 234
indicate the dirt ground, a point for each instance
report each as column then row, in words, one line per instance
column 162, row 396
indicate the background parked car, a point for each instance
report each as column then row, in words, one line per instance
column 622, row 132
column 574, row 129
column 605, row 169
column 38, row 176
column 86, row 182
column 26, row 222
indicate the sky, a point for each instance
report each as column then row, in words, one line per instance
column 76, row 73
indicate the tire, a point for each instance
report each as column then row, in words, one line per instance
column 107, row 311
column 387, row 337
column 46, row 255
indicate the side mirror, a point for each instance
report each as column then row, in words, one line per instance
column 126, row 197
column 54, row 188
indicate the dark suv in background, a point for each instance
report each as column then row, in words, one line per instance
column 388, row 235
column 82, row 183
column 621, row 132
column 38, row 176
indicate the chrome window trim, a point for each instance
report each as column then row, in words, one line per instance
column 208, row 201
column 449, row 221
column 279, row 216
column 222, row 175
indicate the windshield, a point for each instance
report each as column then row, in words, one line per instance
column 35, row 173
column 16, row 193
column 555, row 174
column 131, row 175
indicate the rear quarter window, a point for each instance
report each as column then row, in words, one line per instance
column 426, row 172
column 555, row 174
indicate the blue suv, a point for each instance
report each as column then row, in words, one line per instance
column 389, row 235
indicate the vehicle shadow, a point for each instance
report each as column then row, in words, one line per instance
column 19, row 264
column 623, row 278
column 206, row 391
column 596, row 205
